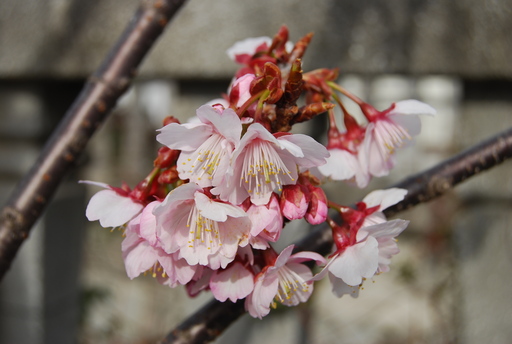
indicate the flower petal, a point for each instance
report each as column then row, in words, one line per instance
column 111, row 209
column 216, row 211
column 234, row 283
column 185, row 137
column 356, row 262
column 412, row 107
column 265, row 289
column 384, row 198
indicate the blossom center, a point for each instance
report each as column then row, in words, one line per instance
column 206, row 158
column 290, row 283
column 203, row 231
column 263, row 168
column 390, row 135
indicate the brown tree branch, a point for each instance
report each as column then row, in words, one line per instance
column 92, row 106
column 211, row 320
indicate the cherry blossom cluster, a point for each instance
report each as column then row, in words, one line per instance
column 225, row 183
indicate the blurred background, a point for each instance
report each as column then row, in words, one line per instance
column 450, row 284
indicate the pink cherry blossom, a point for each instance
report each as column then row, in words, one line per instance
column 365, row 242
column 344, row 147
column 388, row 130
column 286, row 280
column 113, row 207
column 206, row 147
column 204, row 231
column 263, row 163
column 142, row 252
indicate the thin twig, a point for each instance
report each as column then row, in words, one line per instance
column 92, row 106
column 210, row 321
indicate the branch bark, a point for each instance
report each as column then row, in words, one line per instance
column 211, row 320
column 89, row 110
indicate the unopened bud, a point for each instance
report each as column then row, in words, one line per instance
column 169, row 176
column 294, row 201
column 317, row 210
column 166, row 157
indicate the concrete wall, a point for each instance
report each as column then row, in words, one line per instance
column 469, row 38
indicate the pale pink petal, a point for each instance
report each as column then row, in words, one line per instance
column 219, row 261
column 181, row 193
column 284, row 256
column 216, row 211
column 131, row 233
column 148, row 223
column 265, row 289
column 356, row 262
column 178, row 270
column 266, row 217
column 196, row 254
column 412, row 107
column 233, row 283
column 385, row 234
column 384, row 198
column 226, row 124
column 234, row 232
column 340, row 165
column 374, row 219
column 387, row 229
column 172, row 227
column 185, row 137
column 111, row 209
column 258, row 243
column 291, row 147
column 139, row 259
column 313, row 153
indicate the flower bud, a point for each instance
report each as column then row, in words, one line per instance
column 240, row 93
column 166, row 157
column 294, row 201
column 317, row 210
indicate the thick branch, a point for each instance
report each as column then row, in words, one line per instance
column 92, row 106
column 211, row 320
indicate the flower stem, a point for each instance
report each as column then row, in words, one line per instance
column 343, row 91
